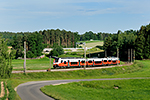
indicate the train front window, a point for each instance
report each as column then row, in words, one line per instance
column 56, row 60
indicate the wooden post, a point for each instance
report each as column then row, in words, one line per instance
column 24, row 56
column 117, row 55
column 84, row 56
column 131, row 55
column 50, row 64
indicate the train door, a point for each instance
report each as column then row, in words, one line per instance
column 93, row 62
column 68, row 64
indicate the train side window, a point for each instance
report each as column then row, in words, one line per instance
column 73, row 63
column 61, row 61
column 98, row 62
column 105, row 60
column 90, row 61
column 82, row 61
column 114, row 61
column 64, row 62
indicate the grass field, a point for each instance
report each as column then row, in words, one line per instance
column 32, row 64
column 99, row 90
column 135, row 70
column 93, row 43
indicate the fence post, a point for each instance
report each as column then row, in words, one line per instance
column 117, row 55
column 50, row 64
column 84, row 56
column 24, row 56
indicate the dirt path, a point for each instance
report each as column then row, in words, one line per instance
column 2, row 90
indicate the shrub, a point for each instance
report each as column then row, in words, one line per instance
column 5, row 96
column 12, row 93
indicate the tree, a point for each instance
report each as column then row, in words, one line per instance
column 5, row 60
column 17, row 44
column 57, row 50
column 140, row 42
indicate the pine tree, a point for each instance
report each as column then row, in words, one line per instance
column 140, row 43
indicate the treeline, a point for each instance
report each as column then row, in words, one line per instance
column 50, row 37
column 34, row 44
column 59, row 37
column 37, row 41
column 136, row 40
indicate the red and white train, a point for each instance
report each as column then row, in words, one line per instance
column 80, row 62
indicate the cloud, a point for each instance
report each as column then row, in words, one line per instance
column 74, row 7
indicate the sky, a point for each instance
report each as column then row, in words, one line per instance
column 73, row 15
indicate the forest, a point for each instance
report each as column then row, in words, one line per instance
column 138, row 40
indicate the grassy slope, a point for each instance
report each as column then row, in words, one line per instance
column 101, row 90
column 136, row 70
column 128, row 89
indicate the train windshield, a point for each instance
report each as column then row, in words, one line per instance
column 56, row 60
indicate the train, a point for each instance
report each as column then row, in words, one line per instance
column 81, row 62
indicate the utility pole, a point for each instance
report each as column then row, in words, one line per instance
column 24, row 56
column 117, row 55
column 50, row 64
column 131, row 55
column 84, row 53
column 84, row 56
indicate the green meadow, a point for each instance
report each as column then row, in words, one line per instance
column 91, row 90
column 132, row 89
column 32, row 64
column 137, row 89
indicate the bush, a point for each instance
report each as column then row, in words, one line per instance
column 5, row 96
column 12, row 93
column 30, row 54
column 57, row 50
column 73, row 53
column 54, row 53
column 5, row 60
